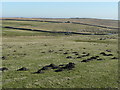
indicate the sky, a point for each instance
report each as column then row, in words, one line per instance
column 102, row 10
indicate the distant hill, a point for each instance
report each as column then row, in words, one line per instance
column 92, row 21
column 102, row 22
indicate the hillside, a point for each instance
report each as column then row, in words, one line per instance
column 100, row 22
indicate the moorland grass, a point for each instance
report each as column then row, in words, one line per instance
column 57, row 26
column 24, row 49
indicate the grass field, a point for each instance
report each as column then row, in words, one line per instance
column 103, row 22
column 34, row 50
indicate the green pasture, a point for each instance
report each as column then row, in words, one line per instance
column 24, row 49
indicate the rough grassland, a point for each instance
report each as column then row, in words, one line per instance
column 103, row 22
column 23, row 49
column 57, row 26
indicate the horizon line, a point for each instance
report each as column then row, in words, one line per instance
column 63, row 17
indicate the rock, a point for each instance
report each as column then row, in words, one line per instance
column 23, row 69
column 61, row 50
column 65, row 53
column 62, row 65
column 67, row 22
column 79, row 57
column 45, row 68
column 109, row 54
column 84, row 53
column 103, row 53
column 108, row 50
column 8, row 54
column 89, row 59
column 84, row 60
column 69, row 66
column 69, row 57
column 93, row 57
column 99, row 59
column 50, row 50
column 118, row 52
column 9, row 47
column 39, row 71
column 45, row 44
column 96, row 56
column 53, row 66
column 3, row 69
column 14, row 51
column 3, row 57
column 83, row 56
column 87, row 54
column 24, row 54
column 59, row 70
column 106, row 54
column 75, row 52
column 114, row 58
